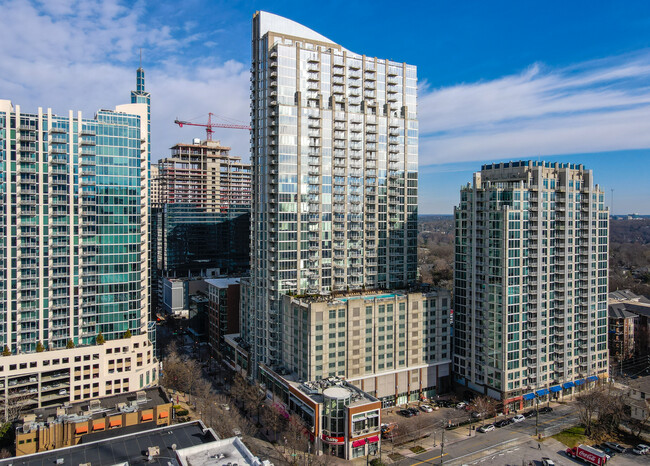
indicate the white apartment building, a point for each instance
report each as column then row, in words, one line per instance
column 334, row 160
column 530, row 290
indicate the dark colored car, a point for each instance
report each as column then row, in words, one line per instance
column 405, row 413
column 414, row 411
column 529, row 413
column 545, row 409
column 503, row 423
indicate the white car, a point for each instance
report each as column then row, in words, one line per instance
column 486, row 428
column 426, row 408
column 641, row 449
column 461, row 405
column 518, row 418
column 547, row 462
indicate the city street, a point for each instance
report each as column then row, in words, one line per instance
column 459, row 444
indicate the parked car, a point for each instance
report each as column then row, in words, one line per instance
column 486, row 428
column 545, row 409
column 547, row 461
column 529, row 413
column 641, row 449
column 608, row 451
column 414, row 411
column 503, row 422
column 461, row 405
column 615, row 446
column 405, row 413
column 426, row 408
column 63, row 392
column 518, row 418
column 444, row 403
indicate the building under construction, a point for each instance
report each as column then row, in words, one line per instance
column 203, row 174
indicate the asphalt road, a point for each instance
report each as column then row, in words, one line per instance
column 502, row 437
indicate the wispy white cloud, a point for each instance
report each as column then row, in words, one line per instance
column 82, row 55
column 597, row 106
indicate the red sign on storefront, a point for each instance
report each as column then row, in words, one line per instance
column 333, row 440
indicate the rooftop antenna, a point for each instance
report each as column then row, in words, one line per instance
column 612, row 203
column 140, row 57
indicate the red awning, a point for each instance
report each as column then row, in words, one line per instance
column 99, row 425
column 115, row 422
column 373, row 439
column 81, row 430
column 163, row 414
column 147, row 416
column 358, row 443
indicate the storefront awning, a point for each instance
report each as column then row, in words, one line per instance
column 115, row 423
column 542, row 392
column 592, row 378
column 163, row 415
column 556, row 388
column 568, row 385
column 580, row 382
column 147, row 416
column 373, row 439
column 529, row 396
column 81, row 430
column 99, row 426
column 359, row 443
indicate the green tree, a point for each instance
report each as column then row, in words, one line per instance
column 100, row 339
column 127, row 334
column 70, row 344
column 39, row 347
column 6, row 351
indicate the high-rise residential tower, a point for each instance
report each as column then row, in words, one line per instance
column 530, row 310
column 74, row 252
column 203, row 174
column 334, row 154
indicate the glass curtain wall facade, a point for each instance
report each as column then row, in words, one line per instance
column 74, row 224
column 334, row 155
column 530, row 311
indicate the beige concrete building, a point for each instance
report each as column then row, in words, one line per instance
column 393, row 345
column 530, row 311
column 203, row 174
column 51, row 378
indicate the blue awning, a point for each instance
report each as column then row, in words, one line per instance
column 592, row 378
column 568, row 385
column 580, row 382
column 556, row 389
column 529, row 396
column 541, row 392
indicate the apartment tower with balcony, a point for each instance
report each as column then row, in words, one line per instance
column 530, row 285
column 334, row 216
column 74, row 253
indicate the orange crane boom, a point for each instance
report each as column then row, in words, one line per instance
column 209, row 127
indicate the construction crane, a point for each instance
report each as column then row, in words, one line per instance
column 209, row 127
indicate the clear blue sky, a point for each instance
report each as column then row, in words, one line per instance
column 500, row 80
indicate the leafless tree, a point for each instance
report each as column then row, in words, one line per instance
column 272, row 421
column 588, row 404
column 180, row 372
column 13, row 406
column 484, row 406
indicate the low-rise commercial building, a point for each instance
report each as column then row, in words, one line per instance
column 179, row 444
column 343, row 420
column 57, row 427
column 626, row 300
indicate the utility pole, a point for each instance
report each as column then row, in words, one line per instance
column 442, row 447
column 537, row 417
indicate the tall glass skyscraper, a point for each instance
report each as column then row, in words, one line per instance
column 335, row 159
column 74, row 244
column 530, row 284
